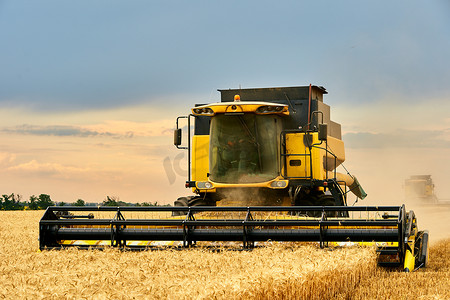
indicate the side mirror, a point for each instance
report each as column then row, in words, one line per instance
column 177, row 137
column 323, row 132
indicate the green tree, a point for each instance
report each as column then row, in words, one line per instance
column 44, row 201
column 62, row 203
column 80, row 202
column 111, row 201
column 33, row 204
column 11, row 202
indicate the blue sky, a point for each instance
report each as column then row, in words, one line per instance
column 77, row 55
column 89, row 90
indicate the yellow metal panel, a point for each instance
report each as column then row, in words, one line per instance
column 336, row 146
column 200, row 157
column 266, row 184
column 409, row 263
column 296, row 165
column 300, row 165
column 428, row 190
column 317, row 158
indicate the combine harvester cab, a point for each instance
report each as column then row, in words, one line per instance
column 262, row 166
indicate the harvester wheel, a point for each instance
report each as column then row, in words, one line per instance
column 182, row 201
column 316, row 199
column 201, row 201
column 304, row 202
column 308, row 197
column 191, row 201
column 421, row 249
column 327, row 200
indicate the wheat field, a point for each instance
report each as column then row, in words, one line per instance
column 279, row 271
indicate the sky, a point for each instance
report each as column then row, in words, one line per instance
column 90, row 90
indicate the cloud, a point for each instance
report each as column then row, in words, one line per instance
column 113, row 129
column 134, row 129
column 399, row 139
column 50, row 170
column 7, row 158
column 53, row 130
column 47, row 169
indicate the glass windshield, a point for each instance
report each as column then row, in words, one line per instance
column 244, row 148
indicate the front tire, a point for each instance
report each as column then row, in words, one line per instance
column 191, row 201
column 327, row 200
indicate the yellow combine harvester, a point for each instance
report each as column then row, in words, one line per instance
column 420, row 188
column 262, row 166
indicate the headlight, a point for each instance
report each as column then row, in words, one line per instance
column 279, row 184
column 205, row 111
column 268, row 109
column 204, row 185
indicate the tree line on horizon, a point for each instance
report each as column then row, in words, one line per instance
column 15, row 202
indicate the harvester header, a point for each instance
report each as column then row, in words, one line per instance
column 391, row 228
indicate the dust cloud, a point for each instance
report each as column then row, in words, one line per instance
column 388, row 140
column 249, row 197
column 382, row 173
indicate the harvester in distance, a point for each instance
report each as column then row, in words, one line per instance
column 262, row 166
column 421, row 188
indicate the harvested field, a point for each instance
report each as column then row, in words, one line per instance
column 278, row 272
